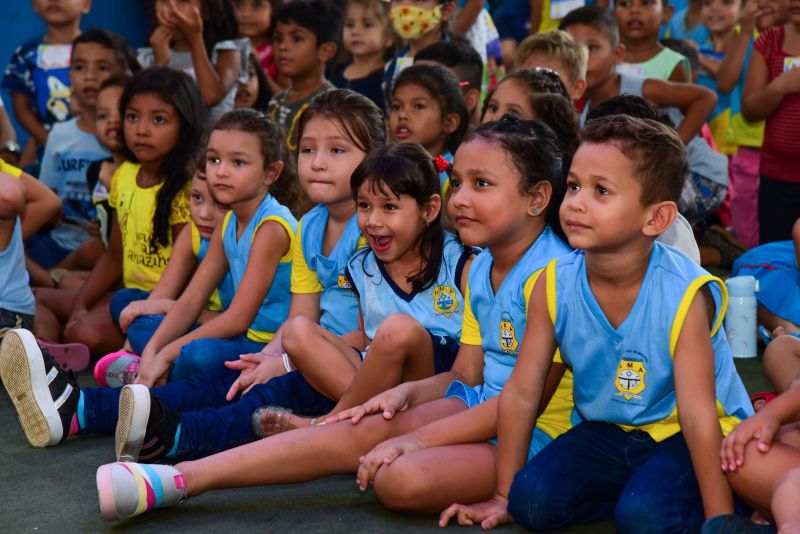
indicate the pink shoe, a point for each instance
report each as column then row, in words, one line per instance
column 116, row 369
column 70, row 356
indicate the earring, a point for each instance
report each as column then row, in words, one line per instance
column 534, row 212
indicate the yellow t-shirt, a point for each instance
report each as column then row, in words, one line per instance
column 142, row 264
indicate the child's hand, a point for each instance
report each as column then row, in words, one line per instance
column 389, row 403
column 747, row 20
column 489, row 514
column 188, row 20
column 159, row 42
column 255, row 369
column 760, row 427
column 131, row 312
column 384, row 454
column 789, row 81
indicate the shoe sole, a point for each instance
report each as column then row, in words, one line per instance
column 105, row 493
column 134, row 411
column 25, row 380
column 71, row 356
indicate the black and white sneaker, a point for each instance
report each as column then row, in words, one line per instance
column 145, row 427
column 44, row 395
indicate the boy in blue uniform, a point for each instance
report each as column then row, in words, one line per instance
column 641, row 327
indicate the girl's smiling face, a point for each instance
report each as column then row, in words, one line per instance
column 326, row 158
column 392, row 224
column 206, row 212
column 107, row 117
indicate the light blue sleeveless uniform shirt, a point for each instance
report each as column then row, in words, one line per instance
column 625, row 375
column 439, row 308
column 275, row 308
column 15, row 291
column 338, row 303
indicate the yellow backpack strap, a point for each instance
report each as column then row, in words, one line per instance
column 686, row 302
column 550, row 280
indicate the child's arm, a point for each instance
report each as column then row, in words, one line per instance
column 761, row 97
column 12, row 198
column 467, row 16
column 26, row 116
column 763, row 426
column 214, row 81
column 730, row 70
column 107, row 272
column 694, row 101
column 270, row 243
column 695, row 393
column 41, row 205
column 518, row 407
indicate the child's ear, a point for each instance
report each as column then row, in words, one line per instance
column 661, row 216
column 619, row 53
column 471, row 99
column 87, row 6
column 667, row 12
column 539, row 198
column 577, row 90
column 451, row 122
column 431, row 209
column 326, row 51
column 448, row 10
column 274, row 170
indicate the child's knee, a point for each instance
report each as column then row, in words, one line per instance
column 790, row 481
column 86, row 332
column 528, row 501
column 649, row 512
column 399, row 331
column 297, row 331
column 402, row 485
column 195, row 356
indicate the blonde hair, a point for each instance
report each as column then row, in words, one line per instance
column 559, row 45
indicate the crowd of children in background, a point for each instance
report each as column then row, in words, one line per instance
column 453, row 247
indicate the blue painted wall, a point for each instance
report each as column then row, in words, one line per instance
column 18, row 23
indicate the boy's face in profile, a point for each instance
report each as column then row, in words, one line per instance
column 92, row 64
column 57, row 12
column 576, row 88
column 641, row 19
column 602, row 207
column 603, row 57
column 295, row 48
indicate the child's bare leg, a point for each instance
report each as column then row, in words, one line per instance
column 307, row 453
column 781, row 362
column 785, row 501
column 756, row 479
column 40, row 277
column 772, row 321
column 84, row 257
column 401, row 352
column 73, row 280
column 430, row 480
column 46, row 325
column 327, row 361
column 53, row 307
column 96, row 330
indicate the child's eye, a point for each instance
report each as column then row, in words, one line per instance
column 102, row 116
column 420, row 105
column 239, row 162
column 197, row 198
column 306, row 150
column 491, row 108
column 368, row 24
column 213, row 160
column 363, row 205
column 455, row 184
column 602, row 191
column 131, row 117
column 572, row 186
column 395, row 106
column 158, row 119
column 593, row 48
column 390, row 207
column 297, row 39
column 105, row 68
column 337, row 150
column 480, row 182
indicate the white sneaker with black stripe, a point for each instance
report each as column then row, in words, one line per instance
column 44, row 395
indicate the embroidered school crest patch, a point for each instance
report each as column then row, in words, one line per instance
column 630, row 379
column 344, row 283
column 508, row 339
column 444, row 300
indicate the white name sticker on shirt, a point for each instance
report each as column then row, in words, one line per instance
column 402, row 64
column 790, row 63
column 53, row 56
column 560, row 8
column 631, row 69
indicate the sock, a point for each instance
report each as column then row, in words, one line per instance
column 79, row 414
column 174, row 450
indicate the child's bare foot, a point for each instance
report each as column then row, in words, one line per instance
column 270, row 420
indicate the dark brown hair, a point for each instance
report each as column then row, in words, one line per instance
column 361, row 120
column 657, row 153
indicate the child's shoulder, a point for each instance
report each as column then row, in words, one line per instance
column 29, row 45
column 771, row 39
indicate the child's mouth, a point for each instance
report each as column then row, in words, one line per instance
column 381, row 242
column 403, row 133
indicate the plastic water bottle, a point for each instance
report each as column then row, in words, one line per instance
column 740, row 317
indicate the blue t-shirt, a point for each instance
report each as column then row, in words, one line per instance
column 625, row 375
column 439, row 307
column 67, row 156
column 41, row 72
column 15, row 293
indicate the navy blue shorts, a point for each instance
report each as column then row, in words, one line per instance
column 44, row 250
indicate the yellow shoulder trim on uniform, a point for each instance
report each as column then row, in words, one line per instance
column 362, row 242
column 527, row 289
column 260, row 337
column 686, row 302
column 195, row 239
column 286, row 258
column 225, row 221
column 551, row 289
column 10, row 169
column 470, row 329
column 445, row 189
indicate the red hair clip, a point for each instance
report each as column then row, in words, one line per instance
column 441, row 163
